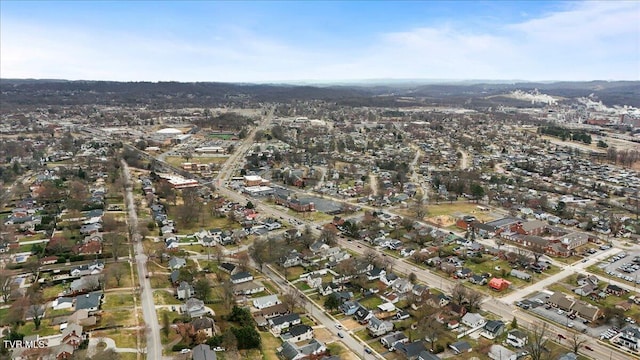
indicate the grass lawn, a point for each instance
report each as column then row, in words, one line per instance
column 173, row 315
column 46, row 328
column 160, row 281
column 119, row 317
column 51, row 292
column 123, row 338
column 363, row 334
column 294, row 272
column 336, row 348
column 371, row 302
column 162, row 297
column 269, row 345
column 303, row 286
column 125, row 279
column 117, row 300
column 3, row 315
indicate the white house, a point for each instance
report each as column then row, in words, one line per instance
column 241, row 277
column 62, row 303
column 516, row 338
column 266, row 301
column 473, row 320
column 379, row 327
column 282, row 322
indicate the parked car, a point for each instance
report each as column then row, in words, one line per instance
column 340, row 335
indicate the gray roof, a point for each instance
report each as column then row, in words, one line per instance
column 460, row 346
column 299, row 329
column 88, row 301
column 284, row 319
column 203, row 352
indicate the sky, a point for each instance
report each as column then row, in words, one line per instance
column 314, row 41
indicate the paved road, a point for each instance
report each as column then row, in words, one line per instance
column 154, row 342
column 497, row 306
column 318, row 313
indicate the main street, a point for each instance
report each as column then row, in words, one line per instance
column 154, row 342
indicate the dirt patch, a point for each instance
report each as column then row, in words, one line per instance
column 442, row 220
column 350, row 324
column 323, row 335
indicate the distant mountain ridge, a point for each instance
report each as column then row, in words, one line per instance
column 20, row 92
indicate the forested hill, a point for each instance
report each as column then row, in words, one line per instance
column 24, row 92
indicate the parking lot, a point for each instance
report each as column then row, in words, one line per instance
column 537, row 305
column 625, row 266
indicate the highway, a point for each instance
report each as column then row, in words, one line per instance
column 154, row 342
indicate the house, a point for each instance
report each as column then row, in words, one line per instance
column 389, row 278
column 402, row 286
column 184, row 290
column 473, row 320
column 588, row 280
column 349, row 307
column 205, row 325
column 585, row 290
column 425, row 355
column 499, row 284
column 574, row 240
column 72, row 335
column 375, row 273
column 298, row 333
column 629, row 337
column 499, row 352
column 266, row 301
column 194, row 308
column 176, row 263
column 587, row 311
column 229, row 268
column 402, row 314
column 248, row 288
column 520, row 275
column 460, row 347
column 294, row 258
column 478, row 280
column 241, row 277
column 559, row 300
column 379, row 327
column 464, row 273
column 411, row 351
column 438, row 300
column 328, row 288
column 614, row 290
column 391, row 340
column 568, row 356
column 90, row 302
column 175, row 277
column 85, row 283
column 62, row 303
column 492, row 329
column 362, row 314
column 203, row 352
column 313, row 349
column 318, row 246
column 279, row 323
column 273, row 311
column 517, row 338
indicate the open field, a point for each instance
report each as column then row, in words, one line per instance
column 178, row 160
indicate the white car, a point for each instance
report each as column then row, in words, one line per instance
column 338, row 326
column 570, row 324
column 218, row 348
column 185, row 351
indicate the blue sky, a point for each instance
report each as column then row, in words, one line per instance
column 261, row 41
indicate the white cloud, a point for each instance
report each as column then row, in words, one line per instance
column 587, row 40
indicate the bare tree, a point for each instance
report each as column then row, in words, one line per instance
column 371, row 256
column 36, row 309
column 243, row 261
column 576, row 341
column 459, row 294
column 257, row 251
column 291, row 299
column 228, row 297
column 117, row 271
column 474, row 298
column 538, row 334
column 5, row 285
